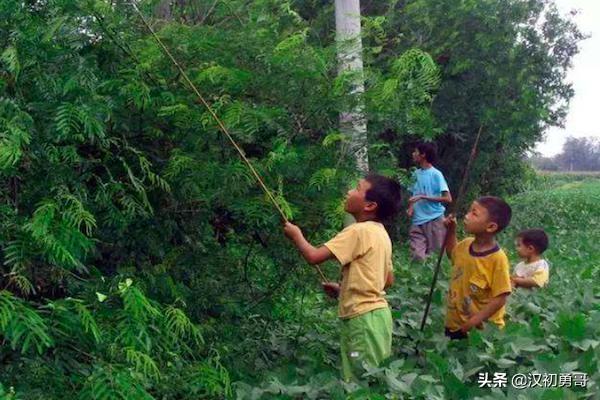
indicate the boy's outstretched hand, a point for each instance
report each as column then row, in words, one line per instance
column 292, row 231
column 332, row 289
column 310, row 253
column 416, row 198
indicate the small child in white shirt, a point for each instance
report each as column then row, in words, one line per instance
column 533, row 271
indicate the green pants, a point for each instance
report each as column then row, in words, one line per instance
column 365, row 338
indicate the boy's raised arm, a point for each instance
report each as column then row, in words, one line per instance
column 311, row 254
column 450, row 223
column 446, row 197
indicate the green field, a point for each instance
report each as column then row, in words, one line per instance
column 550, row 331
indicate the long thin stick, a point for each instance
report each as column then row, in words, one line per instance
column 219, row 123
column 461, row 193
column 212, row 113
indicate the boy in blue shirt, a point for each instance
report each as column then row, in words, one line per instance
column 426, row 206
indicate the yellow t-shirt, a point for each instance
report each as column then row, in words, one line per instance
column 476, row 278
column 365, row 251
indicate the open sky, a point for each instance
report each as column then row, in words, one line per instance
column 584, row 111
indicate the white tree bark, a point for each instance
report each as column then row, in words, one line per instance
column 349, row 50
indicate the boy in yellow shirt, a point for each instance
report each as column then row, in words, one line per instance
column 480, row 280
column 364, row 251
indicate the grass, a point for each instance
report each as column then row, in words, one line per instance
column 549, row 331
column 588, row 174
column 550, row 180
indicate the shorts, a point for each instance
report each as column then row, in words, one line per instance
column 426, row 238
column 366, row 338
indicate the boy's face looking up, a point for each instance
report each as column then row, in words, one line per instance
column 356, row 203
column 417, row 156
column 524, row 251
column 477, row 220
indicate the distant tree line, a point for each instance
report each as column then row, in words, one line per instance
column 578, row 154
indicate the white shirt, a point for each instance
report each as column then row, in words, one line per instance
column 538, row 270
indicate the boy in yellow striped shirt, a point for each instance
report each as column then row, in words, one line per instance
column 480, row 280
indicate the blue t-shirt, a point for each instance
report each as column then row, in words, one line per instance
column 429, row 182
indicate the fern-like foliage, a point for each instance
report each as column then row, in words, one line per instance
column 10, row 58
column 322, row 178
column 22, row 326
column 179, row 326
column 72, row 318
column 407, row 94
column 418, row 75
column 57, row 231
column 15, row 126
column 77, row 122
column 142, row 363
column 110, row 383
column 211, row 379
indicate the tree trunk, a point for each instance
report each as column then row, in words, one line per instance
column 349, row 49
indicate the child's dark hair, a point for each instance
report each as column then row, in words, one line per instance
column 386, row 193
column 534, row 237
column 499, row 210
column 429, row 149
